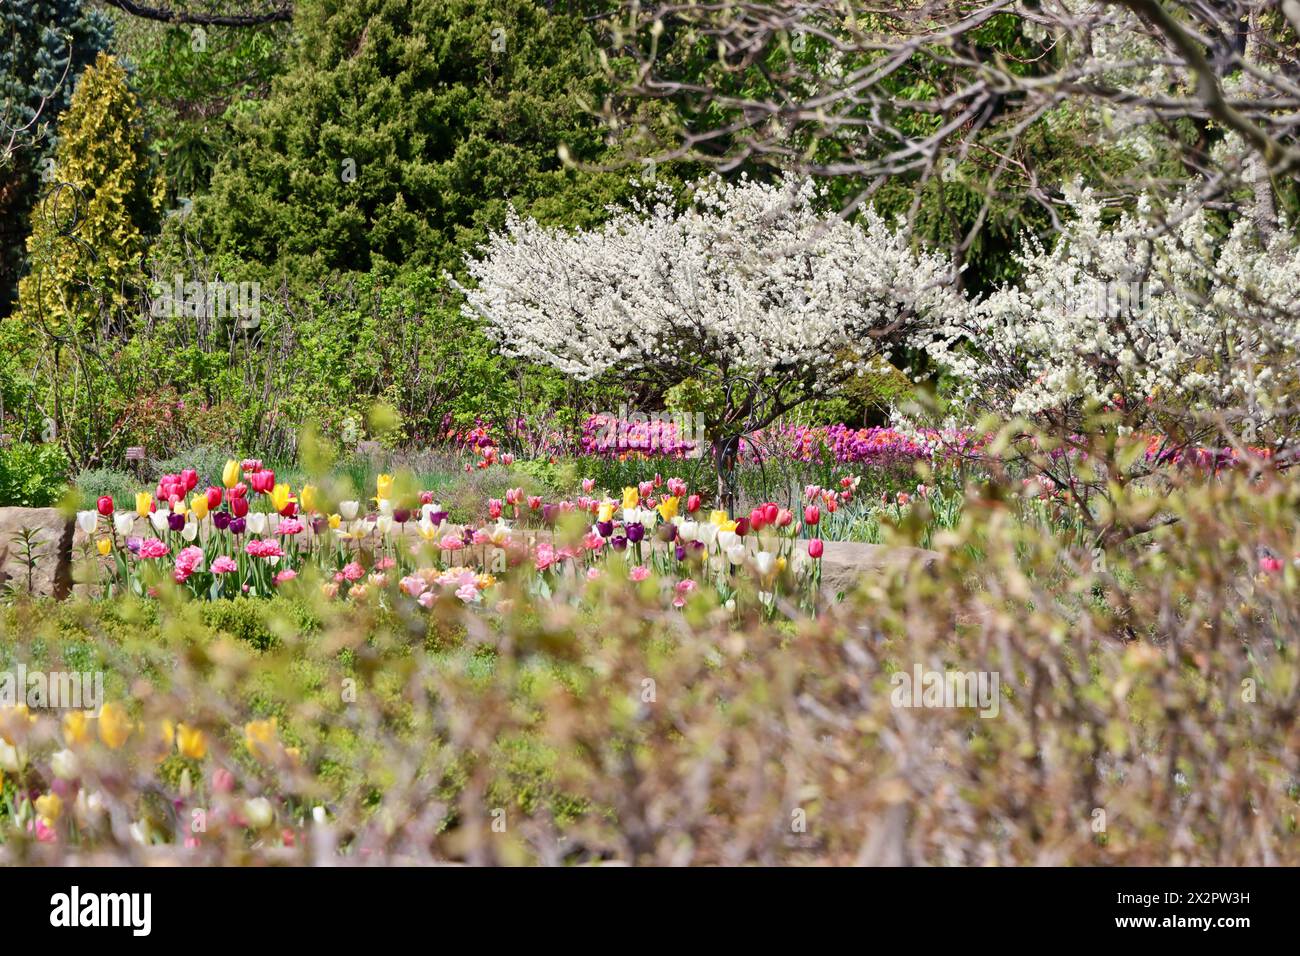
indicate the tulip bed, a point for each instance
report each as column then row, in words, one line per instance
column 254, row 535
column 320, row 726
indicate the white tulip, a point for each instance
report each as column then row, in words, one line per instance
column 765, row 562
column 348, row 510
column 384, row 523
column 159, row 520
column 259, row 812
column 688, row 531
column 65, row 765
column 123, row 522
column 727, row 540
column 190, row 531
column 385, row 507
column 736, row 554
column 86, row 521
column 256, row 522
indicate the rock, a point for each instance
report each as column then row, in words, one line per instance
column 51, row 544
column 846, row 563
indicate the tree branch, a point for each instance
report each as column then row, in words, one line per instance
column 163, row 15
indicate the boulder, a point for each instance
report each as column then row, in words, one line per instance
column 50, row 537
column 846, row 563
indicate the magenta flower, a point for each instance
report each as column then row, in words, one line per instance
column 224, row 565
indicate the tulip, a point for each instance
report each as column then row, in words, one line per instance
column 190, row 477
column 307, row 498
column 348, row 509
column 736, row 554
column 717, row 517
column 811, row 515
column 742, row 526
column 257, row 522
column 383, row 487
column 604, row 528
column 635, row 532
column 175, row 522
column 199, row 505
column 815, row 548
column 765, row 562
column 65, row 765
column 494, row 508
column 237, row 526
column 605, row 512
column 143, row 503
column 191, row 742
column 631, row 498
column 221, row 520
column 49, row 807
column 239, row 507
column 259, row 813
column 230, row 473
column 214, row 497
column 280, row 496
column 104, row 545
column 260, row 737
column 74, row 727
column 334, row 521
column 123, row 522
column 114, row 725
column 159, row 520
column 86, row 521
column 692, row 504
column 784, row 517
column 667, row 508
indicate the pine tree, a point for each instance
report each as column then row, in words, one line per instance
column 405, row 127
column 88, row 239
column 44, row 46
column 89, row 228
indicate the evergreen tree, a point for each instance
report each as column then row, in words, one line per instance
column 88, row 240
column 44, row 45
column 405, row 127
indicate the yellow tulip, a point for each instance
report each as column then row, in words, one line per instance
column 191, row 742
column 259, row 737
column 606, row 512
column 179, row 507
column 199, row 505
column 230, row 473
column 74, row 727
column 631, row 498
column 104, row 545
column 142, row 502
column 383, row 487
column 14, row 722
column 50, row 808
column 335, row 521
column 114, row 725
column 718, row 517
column 280, row 497
column 727, row 526
column 667, row 508
column 307, row 497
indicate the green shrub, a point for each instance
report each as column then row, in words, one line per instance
column 92, row 483
column 32, row 475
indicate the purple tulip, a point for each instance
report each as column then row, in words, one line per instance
column 680, row 552
column 438, row 517
column 175, row 522
column 221, row 520
column 402, row 515
column 605, row 528
column 619, row 543
column 635, row 532
column 549, row 512
column 318, row 525
column 237, row 525
column 133, row 545
column 668, row 531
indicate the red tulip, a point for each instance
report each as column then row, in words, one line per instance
column 756, row 519
column 105, row 505
column 239, row 507
column 770, row 513
column 190, row 477
column 811, row 515
column 214, row 497
column 742, row 526
column 815, row 548
column 692, row 504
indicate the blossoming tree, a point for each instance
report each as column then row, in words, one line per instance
column 1152, row 318
column 748, row 286
column 1162, row 324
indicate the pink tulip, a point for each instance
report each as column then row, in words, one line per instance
column 815, row 548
